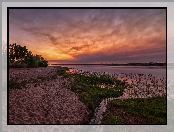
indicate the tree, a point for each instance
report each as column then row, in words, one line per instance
column 11, row 52
column 21, row 55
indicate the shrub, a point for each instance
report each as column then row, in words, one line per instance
column 20, row 57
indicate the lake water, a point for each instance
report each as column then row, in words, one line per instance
column 156, row 71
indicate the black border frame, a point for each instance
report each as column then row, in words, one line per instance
column 8, row 8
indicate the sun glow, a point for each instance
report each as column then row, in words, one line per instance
column 91, row 36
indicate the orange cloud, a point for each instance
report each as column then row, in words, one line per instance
column 69, row 34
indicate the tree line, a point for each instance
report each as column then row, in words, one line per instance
column 20, row 56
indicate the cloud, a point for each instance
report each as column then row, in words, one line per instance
column 148, row 55
column 93, row 33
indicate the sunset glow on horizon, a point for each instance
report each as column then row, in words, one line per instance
column 91, row 35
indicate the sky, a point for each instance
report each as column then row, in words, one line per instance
column 91, row 35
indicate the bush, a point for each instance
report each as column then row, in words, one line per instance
column 20, row 57
column 17, row 65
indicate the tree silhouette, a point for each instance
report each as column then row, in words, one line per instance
column 20, row 55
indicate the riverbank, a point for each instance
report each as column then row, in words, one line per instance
column 53, row 96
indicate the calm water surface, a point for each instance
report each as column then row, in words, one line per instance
column 156, row 71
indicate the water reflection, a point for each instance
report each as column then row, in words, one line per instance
column 156, row 71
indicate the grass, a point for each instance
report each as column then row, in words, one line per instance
column 91, row 94
column 17, row 65
column 61, row 72
column 110, row 118
column 91, row 89
column 153, row 109
column 17, row 85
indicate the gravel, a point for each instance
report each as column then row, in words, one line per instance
column 48, row 102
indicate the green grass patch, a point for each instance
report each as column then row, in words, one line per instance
column 17, row 65
column 61, row 72
column 91, row 94
column 17, row 85
column 110, row 118
column 153, row 109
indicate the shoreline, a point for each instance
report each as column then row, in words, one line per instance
column 116, row 66
column 161, row 72
column 44, row 84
